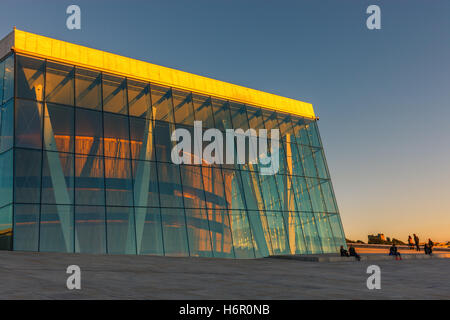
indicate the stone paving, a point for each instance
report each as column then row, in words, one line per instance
column 43, row 276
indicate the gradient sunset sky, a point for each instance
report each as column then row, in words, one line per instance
column 383, row 96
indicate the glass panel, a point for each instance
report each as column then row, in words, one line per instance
column 294, row 232
column 193, row 193
column 293, row 159
column 198, row 232
column 213, row 186
column 89, row 132
column 114, row 94
column 316, row 194
column 338, row 232
column 28, row 124
column 118, row 182
column 27, row 182
column 145, row 184
column 142, row 139
column 116, row 139
column 121, row 230
column 299, row 126
column 255, row 118
column 6, row 228
column 285, row 125
column 162, row 102
column 163, row 132
column 139, row 99
column 203, row 110
column 8, row 83
column 328, row 196
column 149, row 231
column 59, row 128
column 239, row 116
column 174, row 230
column 88, row 89
column 301, row 193
column 221, row 110
column 310, row 232
column 90, row 233
column 57, row 231
column 26, row 227
column 182, row 105
column 313, row 131
column 59, row 83
column 325, row 234
column 320, row 163
column 170, row 185
column 89, row 181
column 242, row 237
column 233, row 189
column 308, row 161
column 30, row 78
column 57, row 178
column 6, row 178
column 7, row 127
column 221, row 237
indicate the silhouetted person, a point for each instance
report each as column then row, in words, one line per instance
column 344, row 252
column 352, row 252
column 410, row 243
column 430, row 243
column 393, row 251
column 427, row 249
column 416, row 240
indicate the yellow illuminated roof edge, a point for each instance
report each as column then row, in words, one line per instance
column 66, row 52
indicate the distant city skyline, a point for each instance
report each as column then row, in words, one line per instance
column 382, row 96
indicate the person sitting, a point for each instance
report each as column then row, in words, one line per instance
column 353, row 253
column 410, row 243
column 344, row 252
column 393, row 251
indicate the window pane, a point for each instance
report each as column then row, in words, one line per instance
column 139, row 99
column 88, row 89
column 198, row 233
column 89, row 132
column 28, row 124
column 6, row 178
column 239, row 116
column 120, row 230
column 26, row 227
column 221, row 237
column 233, row 189
column 142, row 139
column 163, row 132
column 182, row 105
column 310, row 232
column 316, row 195
column 30, row 78
column 117, row 139
column 27, row 176
column 313, row 131
column 174, row 230
column 59, row 128
column 328, row 196
column 203, row 110
column 8, row 82
column 89, row 181
column 214, row 190
column 285, row 125
column 255, row 118
column 6, row 228
column 194, row 195
column 162, row 102
column 90, row 233
column 146, row 191
column 59, row 83
column 57, row 228
column 170, row 185
column 300, row 130
column 149, row 231
column 242, row 237
column 221, row 110
column 118, row 182
column 114, row 94
column 308, row 161
column 7, row 127
column 57, row 178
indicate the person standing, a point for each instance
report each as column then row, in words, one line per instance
column 430, row 243
column 410, row 242
column 416, row 240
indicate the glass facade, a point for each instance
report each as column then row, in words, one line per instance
column 86, row 166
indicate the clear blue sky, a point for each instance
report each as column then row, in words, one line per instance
column 383, row 96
